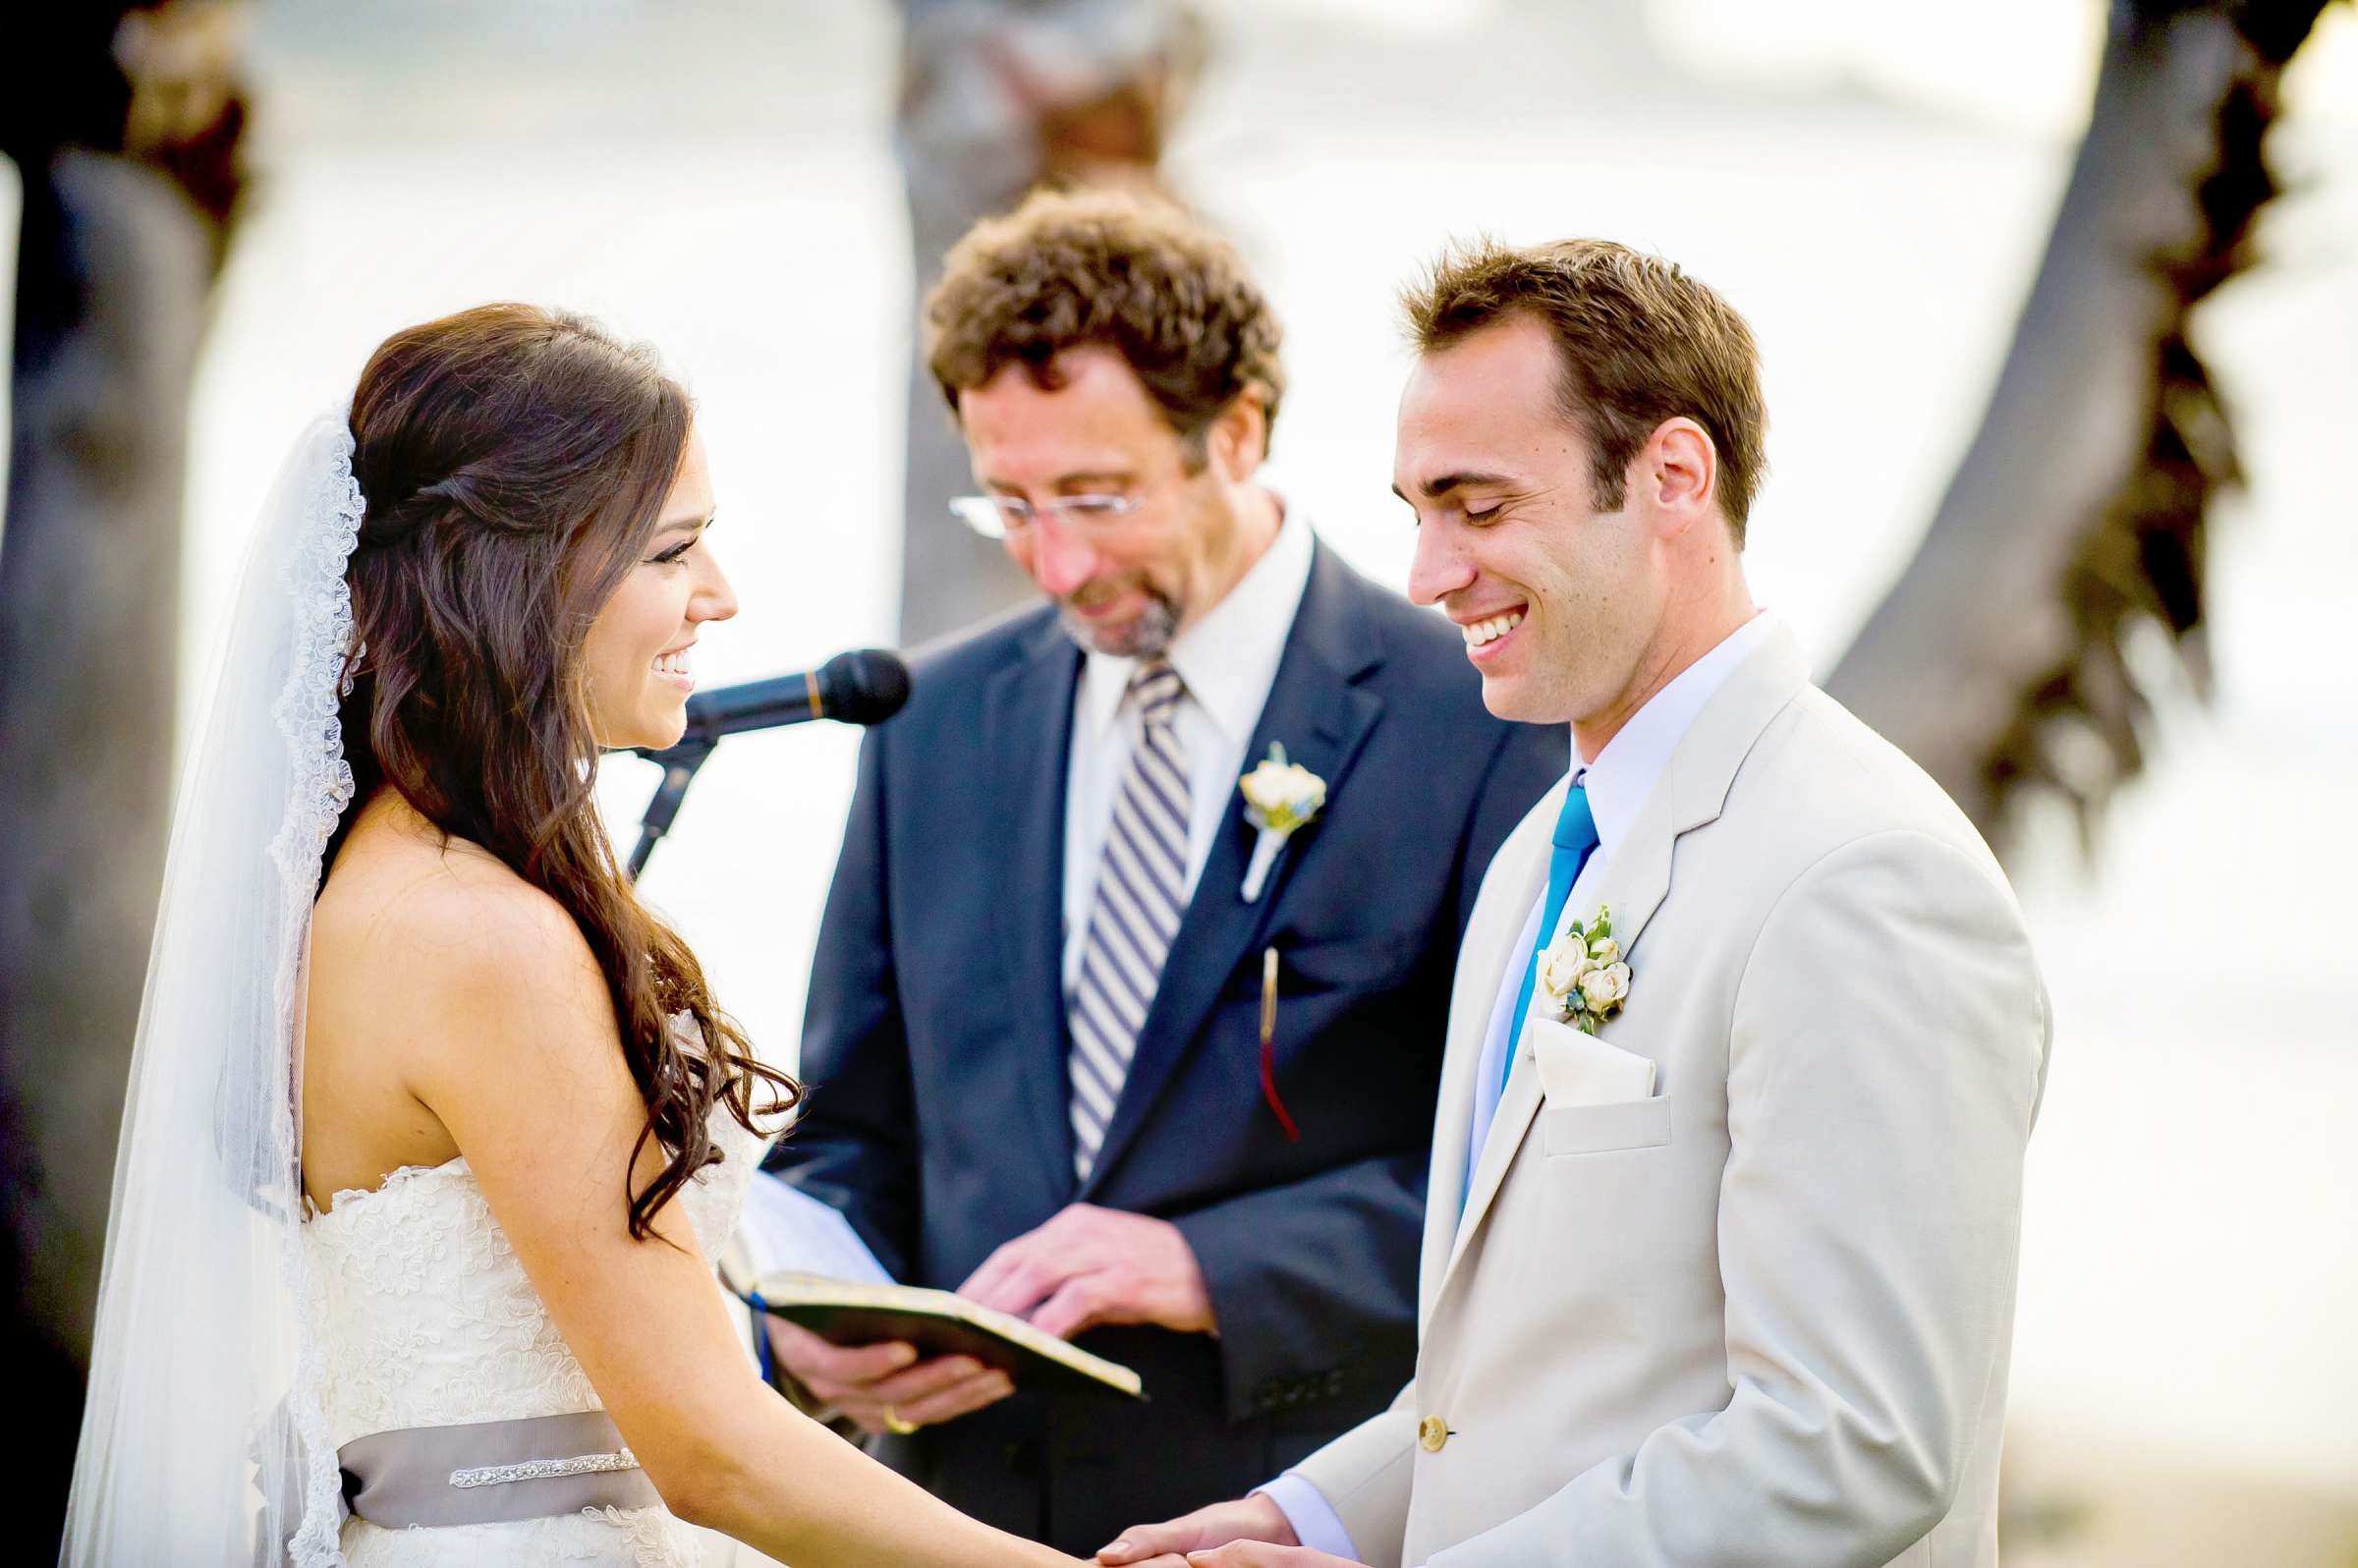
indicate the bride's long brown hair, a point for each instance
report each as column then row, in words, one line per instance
column 515, row 462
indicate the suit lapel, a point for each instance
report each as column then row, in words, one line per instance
column 1633, row 880
column 1322, row 720
column 1027, row 727
column 1633, row 884
column 1517, row 874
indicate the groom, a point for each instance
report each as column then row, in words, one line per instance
column 1730, row 1279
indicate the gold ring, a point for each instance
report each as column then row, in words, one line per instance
column 896, row 1425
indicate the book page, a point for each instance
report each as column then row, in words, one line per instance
column 785, row 1230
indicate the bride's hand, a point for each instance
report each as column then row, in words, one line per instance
column 885, row 1387
column 1255, row 1519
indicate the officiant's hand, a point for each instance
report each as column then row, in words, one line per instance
column 885, row 1387
column 1090, row 1266
column 1255, row 1522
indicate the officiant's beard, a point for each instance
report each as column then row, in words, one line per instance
column 1141, row 636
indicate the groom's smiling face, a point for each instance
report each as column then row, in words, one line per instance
column 1558, row 598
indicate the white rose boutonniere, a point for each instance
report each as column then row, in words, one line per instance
column 1566, row 964
column 1280, row 797
column 1583, row 975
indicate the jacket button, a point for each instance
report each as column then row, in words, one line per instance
column 1432, row 1433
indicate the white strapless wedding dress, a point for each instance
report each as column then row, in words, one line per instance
column 422, row 1316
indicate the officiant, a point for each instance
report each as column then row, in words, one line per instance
column 1097, row 1034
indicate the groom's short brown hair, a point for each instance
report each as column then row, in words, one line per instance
column 1129, row 271
column 1640, row 341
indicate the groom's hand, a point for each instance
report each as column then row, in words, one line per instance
column 1090, row 1266
column 1253, row 1520
column 885, row 1387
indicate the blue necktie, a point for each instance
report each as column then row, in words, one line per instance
column 1575, row 839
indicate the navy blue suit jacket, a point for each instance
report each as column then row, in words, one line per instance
column 934, row 1047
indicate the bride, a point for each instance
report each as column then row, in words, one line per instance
column 433, row 1126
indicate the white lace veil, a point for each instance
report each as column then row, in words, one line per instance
column 201, row 1441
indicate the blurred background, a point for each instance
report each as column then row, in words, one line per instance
column 2058, row 376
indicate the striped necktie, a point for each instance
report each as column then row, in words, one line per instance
column 1142, row 892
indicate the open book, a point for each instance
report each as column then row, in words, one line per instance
column 803, row 1263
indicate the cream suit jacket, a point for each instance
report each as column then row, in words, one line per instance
column 1762, row 1317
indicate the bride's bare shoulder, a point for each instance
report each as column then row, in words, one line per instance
column 411, row 914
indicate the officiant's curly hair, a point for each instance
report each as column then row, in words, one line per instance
column 1119, row 267
column 515, row 462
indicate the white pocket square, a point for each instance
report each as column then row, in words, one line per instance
column 1577, row 1069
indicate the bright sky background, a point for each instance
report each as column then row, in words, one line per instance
column 2023, row 63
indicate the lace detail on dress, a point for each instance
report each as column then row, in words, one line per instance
column 306, row 709
column 425, row 1318
column 602, row 1536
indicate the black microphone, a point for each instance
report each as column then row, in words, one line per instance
column 863, row 686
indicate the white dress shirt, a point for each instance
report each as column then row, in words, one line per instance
column 1228, row 661
column 1618, row 781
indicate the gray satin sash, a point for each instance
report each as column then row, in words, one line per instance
column 492, row 1472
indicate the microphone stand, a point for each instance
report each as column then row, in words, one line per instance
column 708, row 723
column 680, row 763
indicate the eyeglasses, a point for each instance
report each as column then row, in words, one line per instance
column 998, row 516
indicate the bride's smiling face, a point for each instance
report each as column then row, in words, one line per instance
column 637, row 650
